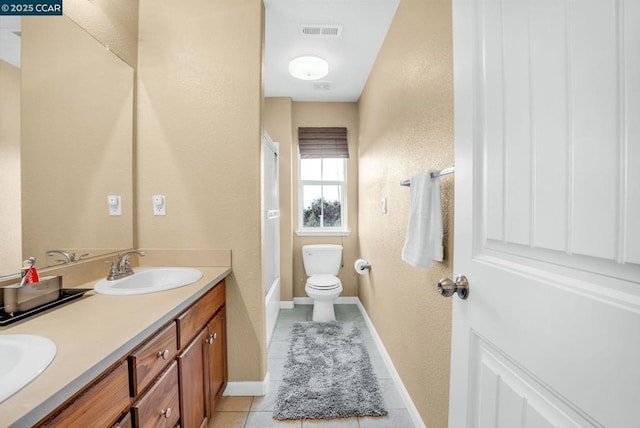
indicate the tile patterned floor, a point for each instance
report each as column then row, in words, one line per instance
column 257, row 412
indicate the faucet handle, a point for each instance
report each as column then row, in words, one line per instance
column 113, row 271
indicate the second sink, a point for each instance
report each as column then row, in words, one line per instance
column 22, row 358
column 149, row 280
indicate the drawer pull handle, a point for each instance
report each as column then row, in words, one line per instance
column 166, row 413
column 163, row 354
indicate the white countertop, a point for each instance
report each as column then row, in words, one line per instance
column 91, row 334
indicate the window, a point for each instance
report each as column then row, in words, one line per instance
column 322, row 179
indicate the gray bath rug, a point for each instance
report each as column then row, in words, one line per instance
column 328, row 374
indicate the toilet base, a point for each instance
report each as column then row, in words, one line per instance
column 323, row 311
column 323, row 303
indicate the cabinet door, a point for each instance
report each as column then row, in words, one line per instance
column 217, row 357
column 193, row 383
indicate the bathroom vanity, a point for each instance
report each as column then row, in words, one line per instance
column 148, row 360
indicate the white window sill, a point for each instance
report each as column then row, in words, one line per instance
column 308, row 232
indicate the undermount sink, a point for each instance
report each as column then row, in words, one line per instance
column 22, row 358
column 149, row 280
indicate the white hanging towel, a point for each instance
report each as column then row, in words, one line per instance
column 424, row 233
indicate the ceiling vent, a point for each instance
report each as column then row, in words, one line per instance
column 322, row 86
column 321, row 30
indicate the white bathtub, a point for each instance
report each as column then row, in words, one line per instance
column 272, row 302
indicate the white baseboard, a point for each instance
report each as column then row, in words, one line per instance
column 404, row 394
column 287, row 304
column 346, row 300
column 247, row 388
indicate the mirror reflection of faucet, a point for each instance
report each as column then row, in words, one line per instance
column 122, row 268
column 67, row 257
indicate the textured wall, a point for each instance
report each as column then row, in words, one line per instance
column 406, row 127
column 199, row 139
column 10, row 222
column 328, row 114
column 113, row 22
column 277, row 123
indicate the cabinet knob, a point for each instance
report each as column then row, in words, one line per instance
column 211, row 338
column 166, row 413
column 163, row 354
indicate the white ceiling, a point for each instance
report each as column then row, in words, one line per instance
column 350, row 56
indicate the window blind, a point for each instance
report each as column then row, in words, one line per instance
column 323, row 143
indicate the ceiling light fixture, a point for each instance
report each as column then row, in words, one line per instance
column 308, row 67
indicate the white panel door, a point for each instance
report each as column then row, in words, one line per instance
column 547, row 214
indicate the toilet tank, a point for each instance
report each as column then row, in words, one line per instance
column 322, row 259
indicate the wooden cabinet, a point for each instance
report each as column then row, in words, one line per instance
column 193, row 386
column 99, row 404
column 194, row 319
column 159, row 406
column 217, row 356
column 202, row 363
column 175, row 376
column 147, row 361
column 124, row 422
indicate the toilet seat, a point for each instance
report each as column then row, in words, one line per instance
column 323, row 282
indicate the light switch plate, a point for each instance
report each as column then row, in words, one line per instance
column 383, row 205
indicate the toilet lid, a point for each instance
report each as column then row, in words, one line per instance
column 323, row 282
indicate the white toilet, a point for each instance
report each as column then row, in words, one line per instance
column 322, row 264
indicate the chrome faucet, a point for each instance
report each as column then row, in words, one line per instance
column 122, row 268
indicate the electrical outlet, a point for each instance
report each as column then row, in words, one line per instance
column 159, row 205
column 115, row 204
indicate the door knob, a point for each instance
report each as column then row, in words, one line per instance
column 447, row 287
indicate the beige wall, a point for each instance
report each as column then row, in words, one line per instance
column 329, row 115
column 277, row 123
column 113, row 22
column 199, row 139
column 10, row 222
column 406, row 127
column 76, row 113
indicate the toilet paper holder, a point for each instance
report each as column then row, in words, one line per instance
column 361, row 266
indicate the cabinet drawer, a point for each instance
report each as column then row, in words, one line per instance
column 124, row 422
column 159, row 407
column 196, row 317
column 99, row 405
column 148, row 361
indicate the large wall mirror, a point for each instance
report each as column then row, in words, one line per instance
column 66, row 144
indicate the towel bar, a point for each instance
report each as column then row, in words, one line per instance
column 434, row 174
